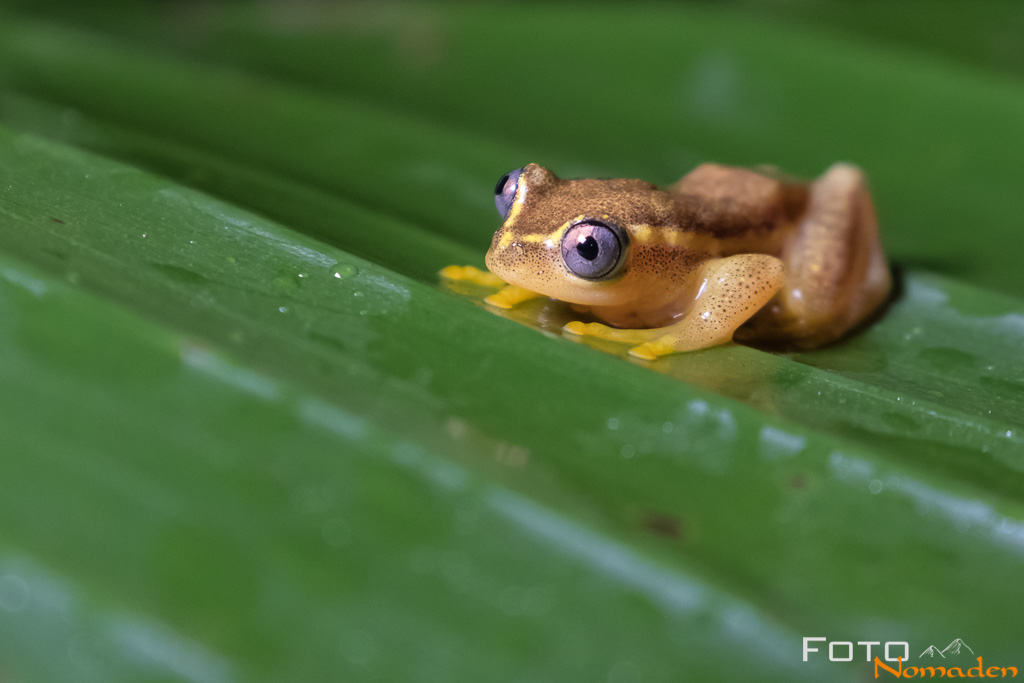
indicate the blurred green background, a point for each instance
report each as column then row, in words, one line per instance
column 246, row 435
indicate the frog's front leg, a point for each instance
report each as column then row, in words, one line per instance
column 472, row 274
column 734, row 289
column 509, row 296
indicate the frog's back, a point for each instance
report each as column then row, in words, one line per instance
column 728, row 202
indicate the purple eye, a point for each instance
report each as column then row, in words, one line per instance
column 505, row 191
column 593, row 250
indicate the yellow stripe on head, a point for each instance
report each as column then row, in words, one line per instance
column 517, row 205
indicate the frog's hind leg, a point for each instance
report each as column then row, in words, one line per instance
column 836, row 271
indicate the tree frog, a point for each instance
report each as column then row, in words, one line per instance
column 723, row 251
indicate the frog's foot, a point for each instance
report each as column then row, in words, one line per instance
column 611, row 333
column 507, row 297
column 510, row 296
column 471, row 274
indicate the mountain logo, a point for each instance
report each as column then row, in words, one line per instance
column 956, row 647
column 953, row 649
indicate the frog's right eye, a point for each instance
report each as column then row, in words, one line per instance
column 505, row 191
column 593, row 250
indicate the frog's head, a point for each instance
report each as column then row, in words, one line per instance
column 581, row 241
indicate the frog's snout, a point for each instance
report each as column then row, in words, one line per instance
column 506, row 257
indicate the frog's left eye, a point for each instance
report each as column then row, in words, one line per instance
column 593, row 250
column 505, row 191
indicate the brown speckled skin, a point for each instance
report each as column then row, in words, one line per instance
column 824, row 233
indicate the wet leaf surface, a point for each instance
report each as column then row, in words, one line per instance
column 249, row 436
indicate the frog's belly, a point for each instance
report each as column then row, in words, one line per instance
column 632, row 317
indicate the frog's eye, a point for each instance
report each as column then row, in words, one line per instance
column 593, row 250
column 505, row 191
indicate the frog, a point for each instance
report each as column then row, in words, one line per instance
column 724, row 254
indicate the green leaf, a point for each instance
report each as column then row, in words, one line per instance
column 249, row 437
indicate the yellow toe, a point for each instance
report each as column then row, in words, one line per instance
column 651, row 350
column 575, row 327
column 498, row 301
column 451, row 272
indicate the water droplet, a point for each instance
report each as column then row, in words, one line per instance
column 628, row 451
column 283, row 309
column 875, row 486
column 613, row 423
column 343, row 271
column 302, row 277
column 286, row 279
column 518, row 247
column 143, row 235
column 357, row 294
column 667, row 427
column 364, row 312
